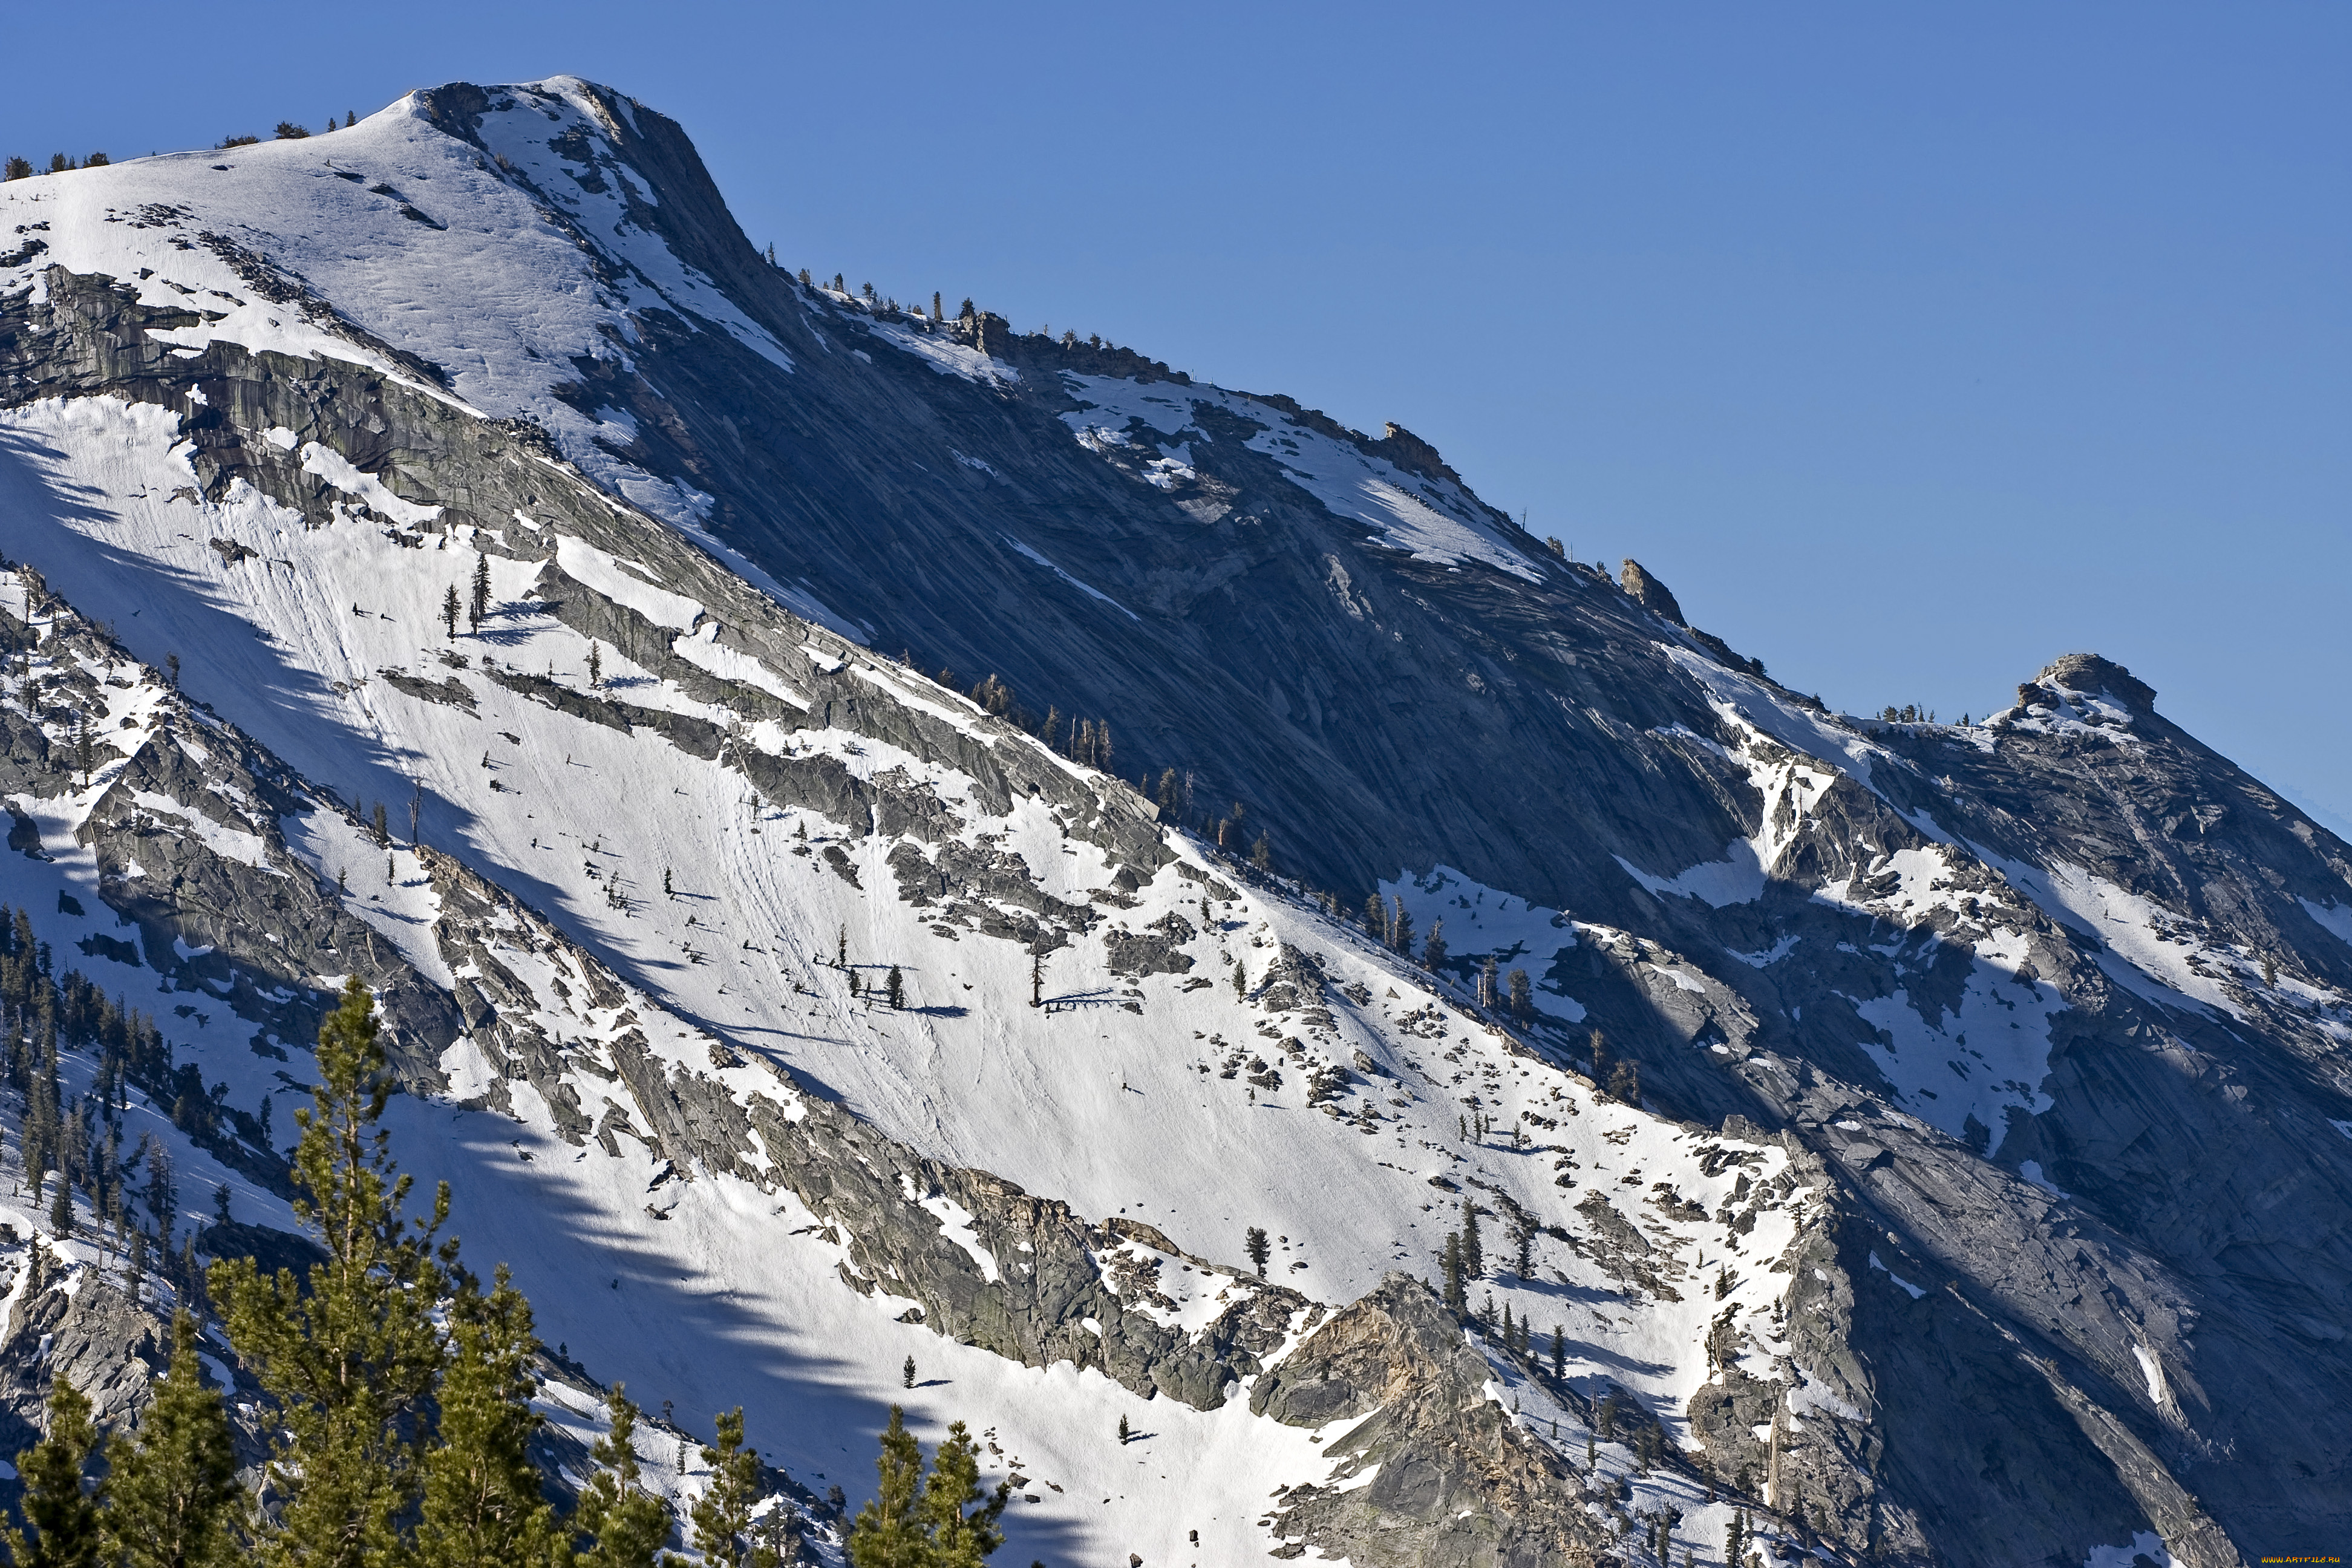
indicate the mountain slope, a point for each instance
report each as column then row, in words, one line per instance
column 2044, row 1016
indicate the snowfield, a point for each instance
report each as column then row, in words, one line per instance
column 358, row 215
column 298, row 644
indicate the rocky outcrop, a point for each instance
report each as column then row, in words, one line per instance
column 1454, row 1483
column 1649, row 593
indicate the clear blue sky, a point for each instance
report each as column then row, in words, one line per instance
column 1910, row 345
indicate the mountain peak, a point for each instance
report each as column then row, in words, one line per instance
column 2089, row 672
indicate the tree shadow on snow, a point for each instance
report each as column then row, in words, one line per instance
column 629, row 1312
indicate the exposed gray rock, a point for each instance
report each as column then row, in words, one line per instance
column 1454, row 1482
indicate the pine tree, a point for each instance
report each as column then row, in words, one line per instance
column 62, row 1508
column 895, row 988
column 626, row 1523
column 1376, row 918
column 480, row 609
column 1123, row 1433
column 1600, row 1059
column 349, row 1362
column 163, row 1193
column 1524, row 1265
column 1400, row 929
column 1558, row 1352
column 1626, row 1083
column 595, row 664
column 961, row 1538
column 907, row 1374
column 1432, row 949
column 1510, row 1329
column 482, row 1507
column 722, row 1514
column 1253, row 1244
column 1523, row 1001
column 1474, row 1254
column 937, row 314
column 888, row 1532
column 1262, row 854
column 449, row 611
column 1457, row 1299
column 175, row 1494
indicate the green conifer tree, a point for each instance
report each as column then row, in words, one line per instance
column 888, row 1532
column 351, row 1362
column 449, row 610
column 722, row 1514
column 961, row 1538
column 177, row 1501
column 1474, row 1254
column 624, row 1523
column 478, row 610
column 482, row 1507
column 1457, row 1299
column 62, row 1507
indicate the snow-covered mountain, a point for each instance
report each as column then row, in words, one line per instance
column 1980, row 1196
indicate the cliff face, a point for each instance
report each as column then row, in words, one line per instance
column 2043, row 1019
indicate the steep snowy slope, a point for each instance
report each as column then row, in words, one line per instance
column 2043, row 1017
column 1349, row 1102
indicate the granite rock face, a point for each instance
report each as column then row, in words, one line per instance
column 1453, row 1480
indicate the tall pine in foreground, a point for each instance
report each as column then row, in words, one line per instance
column 350, row 1363
column 623, row 1524
column 482, row 1505
column 912, row 1523
column 960, row 1539
column 888, row 1532
column 722, row 1514
column 176, row 1501
column 59, row 1506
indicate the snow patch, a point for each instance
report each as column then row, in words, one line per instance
column 1090, row 592
column 2144, row 1543
column 2336, row 917
column 1913, row 1291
